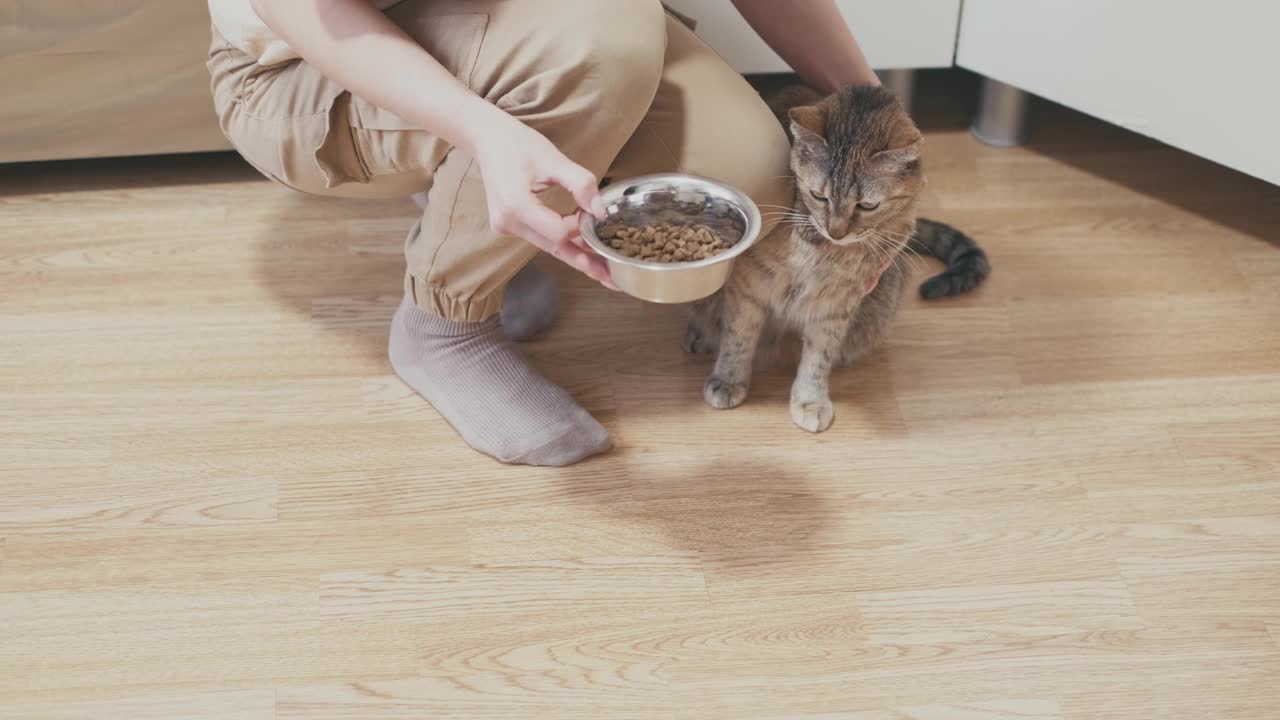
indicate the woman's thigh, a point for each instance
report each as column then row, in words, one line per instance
column 305, row 131
column 567, row 68
column 707, row 120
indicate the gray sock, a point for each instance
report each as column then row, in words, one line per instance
column 529, row 304
column 502, row 407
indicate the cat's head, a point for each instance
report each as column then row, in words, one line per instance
column 856, row 158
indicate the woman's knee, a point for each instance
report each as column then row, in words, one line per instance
column 626, row 48
column 750, row 152
column 603, row 56
column 769, row 176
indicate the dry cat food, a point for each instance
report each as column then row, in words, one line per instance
column 668, row 243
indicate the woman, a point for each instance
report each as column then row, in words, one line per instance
column 504, row 113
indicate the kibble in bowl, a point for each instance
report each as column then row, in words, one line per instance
column 672, row 238
column 667, row 243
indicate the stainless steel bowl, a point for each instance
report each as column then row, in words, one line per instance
column 677, row 199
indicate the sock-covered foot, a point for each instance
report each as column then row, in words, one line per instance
column 529, row 304
column 502, row 407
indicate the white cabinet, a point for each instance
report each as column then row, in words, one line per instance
column 894, row 34
column 1201, row 76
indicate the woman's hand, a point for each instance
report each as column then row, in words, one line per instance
column 517, row 163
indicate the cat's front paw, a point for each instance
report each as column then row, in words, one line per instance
column 814, row 416
column 722, row 394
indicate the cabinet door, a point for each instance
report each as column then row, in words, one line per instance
column 1200, row 76
column 85, row 78
column 893, row 33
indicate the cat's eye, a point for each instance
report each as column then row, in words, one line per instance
column 816, row 196
column 868, row 206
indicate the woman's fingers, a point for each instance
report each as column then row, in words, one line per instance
column 542, row 220
column 592, row 266
column 582, row 185
column 565, row 250
column 587, row 263
column 528, row 219
column 562, row 239
column 577, row 242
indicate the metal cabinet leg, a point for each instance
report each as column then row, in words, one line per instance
column 902, row 83
column 1002, row 115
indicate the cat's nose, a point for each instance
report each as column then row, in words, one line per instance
column 838, row 229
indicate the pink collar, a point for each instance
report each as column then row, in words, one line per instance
column 874, row 280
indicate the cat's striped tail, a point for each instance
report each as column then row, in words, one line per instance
column 967, row 264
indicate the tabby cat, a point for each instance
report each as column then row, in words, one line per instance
column 829, row 271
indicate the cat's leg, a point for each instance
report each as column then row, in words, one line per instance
column 824, row 339
column 742, row 323
column 873, row 319
column 703, row 332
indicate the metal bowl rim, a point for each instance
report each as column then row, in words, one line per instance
column 612, row 193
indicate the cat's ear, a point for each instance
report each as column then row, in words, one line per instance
column 905, row 146
column 903, row 134
column 902, row 154
column 808, row 122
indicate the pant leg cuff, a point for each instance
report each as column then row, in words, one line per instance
column 437, row 300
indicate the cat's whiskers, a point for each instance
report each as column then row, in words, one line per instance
column 878, row 252
column 900, row 238
column 892, row 233
column 883, row 237
column 893, row 259
column 901, row 253
column 898, row 241
column 786, row 216
column 882, row 249
column 886, row 244
column 914, row 257
column 906, row 245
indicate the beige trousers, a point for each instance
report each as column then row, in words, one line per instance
column 620, row 86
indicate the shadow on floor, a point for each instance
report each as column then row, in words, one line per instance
column 337, row 262
column 128, row 173
column 1194, row 184
column 720, row 507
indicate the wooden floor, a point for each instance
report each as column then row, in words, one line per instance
column 1058, row 499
